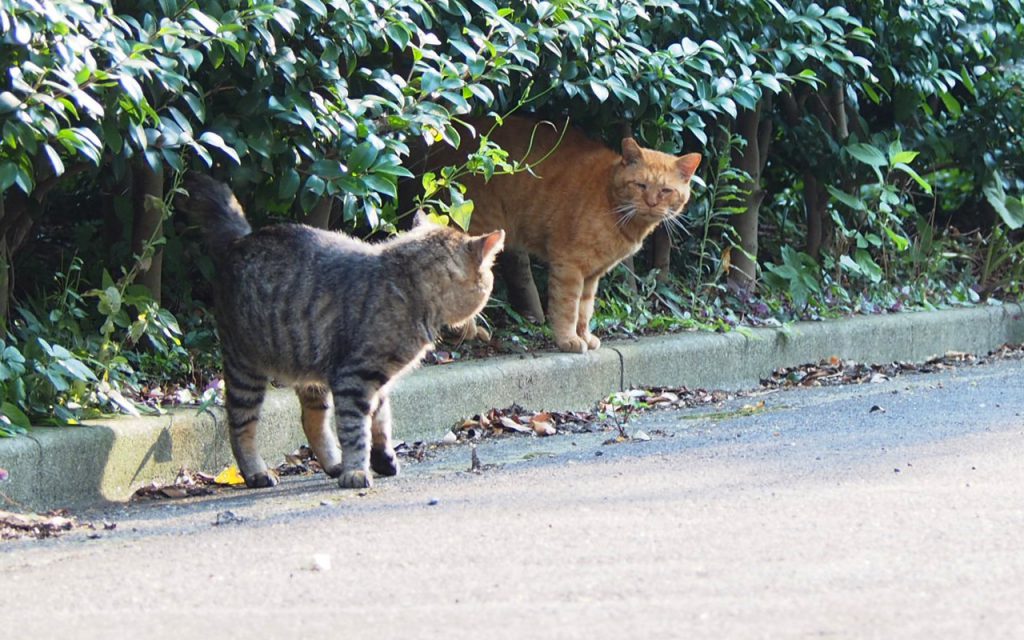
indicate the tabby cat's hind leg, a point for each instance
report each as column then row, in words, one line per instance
column 243, row 395
column 316, row 424
column 382, row 455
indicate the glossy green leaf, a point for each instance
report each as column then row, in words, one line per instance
column 868, row 154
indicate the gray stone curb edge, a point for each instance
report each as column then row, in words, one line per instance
column 107, row 460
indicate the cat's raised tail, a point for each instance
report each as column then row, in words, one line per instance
column 213, row 207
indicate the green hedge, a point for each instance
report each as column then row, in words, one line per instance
column 311, row 106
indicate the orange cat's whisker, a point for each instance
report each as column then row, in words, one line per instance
column 676, row 227
column 626, row 213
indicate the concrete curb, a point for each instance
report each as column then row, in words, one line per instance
column 108, row 460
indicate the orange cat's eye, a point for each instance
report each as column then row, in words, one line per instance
column 641, row 186
column 667, row 192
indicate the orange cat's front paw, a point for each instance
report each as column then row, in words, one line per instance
column 469, row 330
column 571, row 344
column 593, row 342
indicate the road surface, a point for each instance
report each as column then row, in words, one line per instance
column 886, row 510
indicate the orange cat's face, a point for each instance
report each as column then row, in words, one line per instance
column 651, row 185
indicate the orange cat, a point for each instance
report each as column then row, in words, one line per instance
column 583, row 209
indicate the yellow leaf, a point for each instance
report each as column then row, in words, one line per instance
column 230, row 476
column 748, row 408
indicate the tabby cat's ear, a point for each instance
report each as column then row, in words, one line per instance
column 421, row 219
column 631, row 153
column 487, row 247
column 688, row 164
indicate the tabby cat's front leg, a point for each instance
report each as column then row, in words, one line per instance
column 382, row 455
column 565, row 286
column 587, row 312
column 353, row 396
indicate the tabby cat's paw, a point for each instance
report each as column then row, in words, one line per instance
column 574, row 344
column 355, row 480
column 262, row 479
column 593, row 342
column 384, row 462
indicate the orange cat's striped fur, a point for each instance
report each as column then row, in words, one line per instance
column 583, row 210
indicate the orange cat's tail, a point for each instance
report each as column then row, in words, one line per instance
column 213, row 207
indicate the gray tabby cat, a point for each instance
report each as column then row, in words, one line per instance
column 336, row 317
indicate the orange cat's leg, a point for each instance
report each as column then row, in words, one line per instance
column 469, row 330
column 587, row 312
column 565, row 286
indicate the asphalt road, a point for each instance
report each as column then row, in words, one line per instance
column 812, row 517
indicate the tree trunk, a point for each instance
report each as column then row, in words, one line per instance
column 838, row 109
column 320, row 215
column 661, row 259
column 148, row 225
column 751, row 159
column 522, row 290
column 815, row 204
column 16, row 223
column 829, row 108
column 5, row 274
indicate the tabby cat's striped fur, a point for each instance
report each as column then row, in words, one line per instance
column 338, row 318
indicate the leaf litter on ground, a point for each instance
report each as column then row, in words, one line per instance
column 15, row 526
column 611, row 414
column 836, row 371
column 188, row 483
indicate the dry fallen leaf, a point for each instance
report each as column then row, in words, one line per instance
column 664, row 397
column 544, row 428
column 512, row 425
column 230, row 476
column 542, row 424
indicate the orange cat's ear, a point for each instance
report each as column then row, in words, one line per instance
column 631, row 152
column 488, row 246
column 688, row 164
